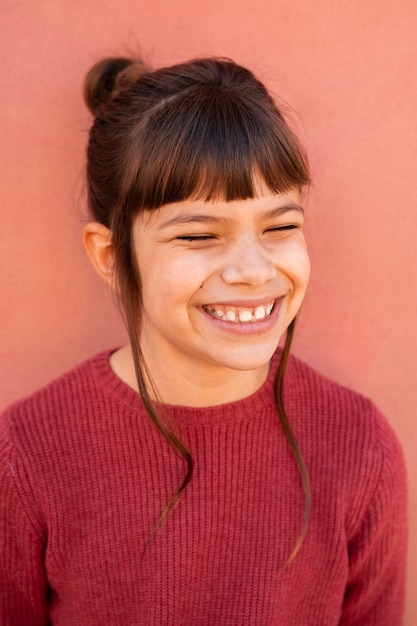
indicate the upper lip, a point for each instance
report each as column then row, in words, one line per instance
column 250, row 304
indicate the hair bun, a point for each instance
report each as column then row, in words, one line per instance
column 108, row 77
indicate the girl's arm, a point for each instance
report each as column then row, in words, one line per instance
column 377, row 549
column 22, row 576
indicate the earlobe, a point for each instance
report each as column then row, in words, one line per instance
column 97, row 242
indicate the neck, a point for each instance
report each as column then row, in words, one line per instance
column 204, row 385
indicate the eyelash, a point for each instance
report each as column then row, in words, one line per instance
column 286, row 227
column 206, row 237
column 195, row 237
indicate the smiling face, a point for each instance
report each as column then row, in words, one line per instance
column 221, row 281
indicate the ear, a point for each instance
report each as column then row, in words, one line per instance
column 97, row 242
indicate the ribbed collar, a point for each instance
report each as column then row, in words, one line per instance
column 246, row 408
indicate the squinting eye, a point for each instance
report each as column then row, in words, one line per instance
column 194, row 237
column 285, row 227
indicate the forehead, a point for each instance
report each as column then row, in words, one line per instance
column 265, row 205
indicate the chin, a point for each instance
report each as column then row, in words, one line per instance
column 252, row 359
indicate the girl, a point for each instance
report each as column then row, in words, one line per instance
column 182, row 479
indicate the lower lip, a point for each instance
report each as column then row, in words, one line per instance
column 247, row 328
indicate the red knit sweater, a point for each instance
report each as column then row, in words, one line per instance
column 84, row 475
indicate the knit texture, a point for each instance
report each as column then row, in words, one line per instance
column 84, row 476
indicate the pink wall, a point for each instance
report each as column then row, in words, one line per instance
column 347, row 68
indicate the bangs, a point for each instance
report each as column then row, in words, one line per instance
column 207, row 143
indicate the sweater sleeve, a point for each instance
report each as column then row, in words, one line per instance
column 377, row 548
column 22, row 577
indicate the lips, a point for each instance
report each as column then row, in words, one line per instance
column 240, row 314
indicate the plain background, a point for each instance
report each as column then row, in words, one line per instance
column 346, row 70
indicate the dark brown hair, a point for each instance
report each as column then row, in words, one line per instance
column 201, row 129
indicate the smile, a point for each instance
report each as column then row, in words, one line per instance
column 237, row 314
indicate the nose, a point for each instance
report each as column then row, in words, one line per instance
column 248, row 263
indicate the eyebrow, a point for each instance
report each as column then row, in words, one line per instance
column 187, row 218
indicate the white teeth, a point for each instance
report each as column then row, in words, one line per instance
column 245, row 316
column 260, row 313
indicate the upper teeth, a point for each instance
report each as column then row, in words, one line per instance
column 240, row 314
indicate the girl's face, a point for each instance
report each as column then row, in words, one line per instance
column 221, row 281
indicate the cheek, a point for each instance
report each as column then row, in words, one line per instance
column 171, row 280
column 304, row 267
column 295, row 262
column 299, row 274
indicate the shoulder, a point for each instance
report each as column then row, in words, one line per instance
column 346, row 439
column 331, row 404
column 63, row 400
column 45, row 436
column 315, row 388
